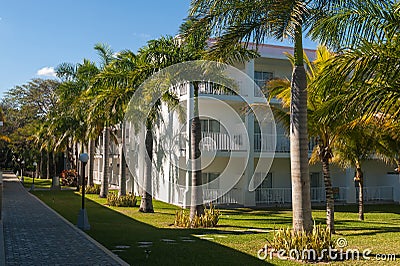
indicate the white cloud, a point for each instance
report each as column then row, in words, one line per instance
column 46, row 71
column 142, row 35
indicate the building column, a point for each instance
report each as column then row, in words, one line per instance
column 249, row 196
column 249, row 68
column 189, row 115
column 396, row 188
column 351, row 189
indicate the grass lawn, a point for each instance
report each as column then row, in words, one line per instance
column 39, row 183
column 236, row 240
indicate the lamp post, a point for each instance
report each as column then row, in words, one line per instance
column 83, row 222
column 34, row 175
column 22, row 171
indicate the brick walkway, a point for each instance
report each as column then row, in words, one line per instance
column 36, row 235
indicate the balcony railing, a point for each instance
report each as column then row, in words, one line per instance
column 284, row 195
column 264, row 142
column 218, row 141
column 204, row 88
column 217, row 196
column 213, row 141
column 273, row 195
column 378, row 193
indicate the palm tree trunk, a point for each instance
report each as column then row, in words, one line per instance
column 122, row 163
column 55, row 184
column 301, row 198
column 196, row 206
column 330, row 202
column 48, row 165
column 91, row 162
column 359, row 177
column 41, row 165
column 104, row 179
column 78, row 177
column 146, row 205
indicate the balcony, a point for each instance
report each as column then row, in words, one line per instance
column 264, row 142
column 217, row 141
column 378, row 193
column 204, row 88
column 217, row 196
column 284, row 195
column 273, row 195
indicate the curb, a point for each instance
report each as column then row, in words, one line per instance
column 2, row 253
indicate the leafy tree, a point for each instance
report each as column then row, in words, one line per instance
column 27, row 107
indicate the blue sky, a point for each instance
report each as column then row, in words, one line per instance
column 36, row 36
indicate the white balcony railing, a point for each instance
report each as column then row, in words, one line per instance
column 264, row 142
column 212, row 141
column 218, row 141
column 204, row 88
column 284, row 195
column 318, row 194
column 273, row 195
column 378, row 193
column 217, row 196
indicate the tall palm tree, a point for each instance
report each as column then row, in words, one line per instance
column 72, row 105
column 110, row 93
column 237, row 21
column 368, row 68
column 357, row 144
column 320, row 126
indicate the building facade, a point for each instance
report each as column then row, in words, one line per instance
column 245, row 161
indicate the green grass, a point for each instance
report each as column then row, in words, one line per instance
column 39, row 183
column 231, row 243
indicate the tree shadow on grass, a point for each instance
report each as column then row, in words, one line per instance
column 169, row 246
column 368, row 208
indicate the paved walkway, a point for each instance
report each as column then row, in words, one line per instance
column 36, row 235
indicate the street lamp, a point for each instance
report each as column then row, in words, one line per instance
column 34, row 175
column 83, row 222
column 22, row 171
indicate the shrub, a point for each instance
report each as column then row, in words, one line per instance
column 319, row 240
column 69, row 178
column 95, row 189
column 122, row 201
column 210, row 218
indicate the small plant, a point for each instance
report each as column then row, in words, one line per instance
column 69, row 178
column 122, row 201
column 95, row 189
column 319, row 241
column 210, row 218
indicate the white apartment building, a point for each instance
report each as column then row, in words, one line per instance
column 227, row 152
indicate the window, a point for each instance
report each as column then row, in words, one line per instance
column 261, row 77
column 266, row 183
column 210, row 125
column 208, row 177
column 315, row 179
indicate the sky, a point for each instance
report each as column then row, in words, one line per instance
column 36, row 36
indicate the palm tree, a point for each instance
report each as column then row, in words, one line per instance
column 234, row 22
column 76, row 93
column 368, row 68
column 110, row 92
column 73, row 102
column 357, row 143
column 320, row 126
